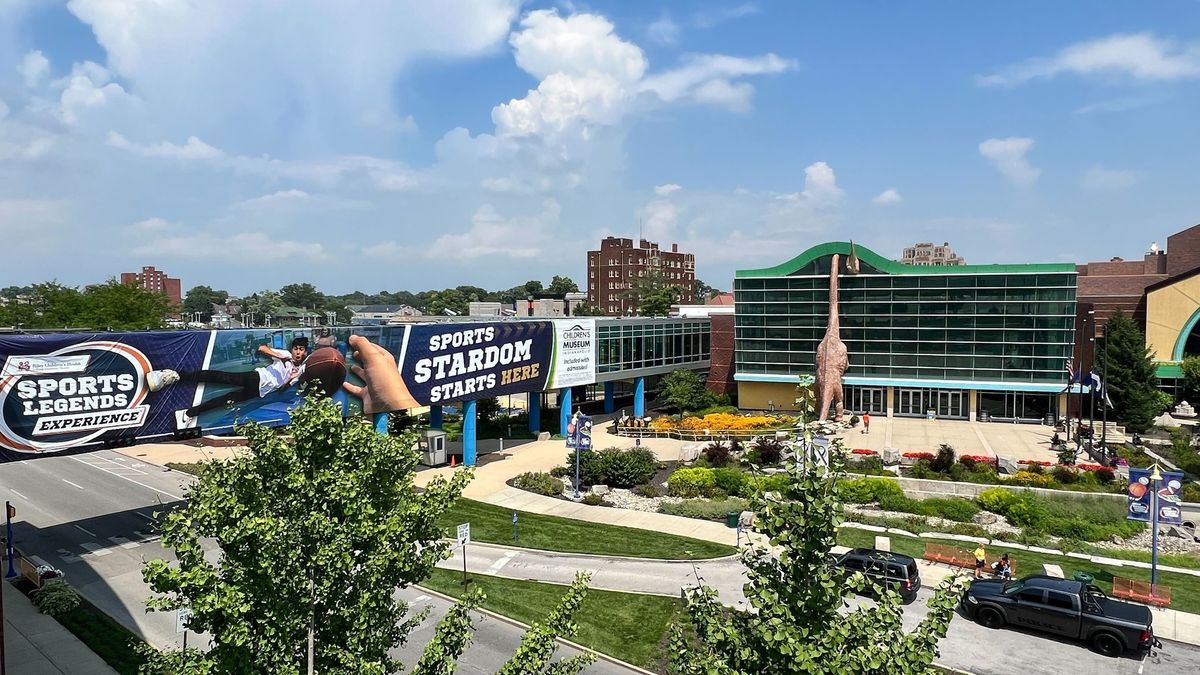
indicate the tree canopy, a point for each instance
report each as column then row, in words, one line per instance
column 99, row 307
column 683, row 389
column 201, row 299
column 1126, row 367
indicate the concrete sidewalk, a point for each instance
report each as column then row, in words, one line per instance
column 37, row 644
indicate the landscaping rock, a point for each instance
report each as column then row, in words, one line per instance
column 1114, row 539
column 690, row 452
column 891, row 456
column 600, row 490
column 746, row 519
column 1007, row 465
column 985, row 518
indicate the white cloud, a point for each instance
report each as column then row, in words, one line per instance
column 34, row 67
column 1100, row 178
column 663, row 30
column 387, row 250
column 658, row 220
column 1137, row 56
column 1117, row 105
column 275, row 199
column 812, row 209
column 888, row 196
column 664, row 190
column 192, row 149
column 152, row 225
column 709, row 19
column 820, row 185
column 247, row 246
column 706, row 78
column 386, row 120
column 89, row 88
column 492, row 235
column 577, row 45
column 1008, row 156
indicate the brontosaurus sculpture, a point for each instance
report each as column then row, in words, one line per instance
column 832, row 357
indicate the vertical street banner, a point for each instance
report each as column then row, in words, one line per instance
column 579, row 432
column 574, row 361
column 1140, row 493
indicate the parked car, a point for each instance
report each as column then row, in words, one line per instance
column 892, row 570
column 1062, row 607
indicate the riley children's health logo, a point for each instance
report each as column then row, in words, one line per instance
column 71, row 396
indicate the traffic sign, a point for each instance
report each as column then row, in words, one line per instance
column 182, row 616
column 464, row 534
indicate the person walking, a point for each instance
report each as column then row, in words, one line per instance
column 980, row 561
column 866, row 423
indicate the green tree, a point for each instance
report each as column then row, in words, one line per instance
column 450, row 299
column 704, row 292
column 304, row 296
column 1191, row 377
column 559, row 285
column 315, row 531
column 486, row 409
column 794, row 622
column 684, row 390
column 52, row 305
column 586, row 310
column 123, row 307
column 1127, row 366
column 202, row 298
column 262, row 303
column 654, row 294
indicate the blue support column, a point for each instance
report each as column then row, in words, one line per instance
column 564, row 413
column 468, row 433
column 535, row 412
column 610, row 403
column 435, row 417
column 381, row 423
column 639, row 397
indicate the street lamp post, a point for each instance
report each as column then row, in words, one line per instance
column 1104, row 403
column 1155, row 477
column 1092, row 388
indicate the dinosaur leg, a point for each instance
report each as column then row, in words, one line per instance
column 826, row 399
column 837, row 399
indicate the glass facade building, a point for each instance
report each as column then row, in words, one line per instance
column 952, row 341
column 637, row 347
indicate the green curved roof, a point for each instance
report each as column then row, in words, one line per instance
column 892, row 267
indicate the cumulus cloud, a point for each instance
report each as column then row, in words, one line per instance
column 888, row 196
column 89, row 88
column 658, row 219
column 493, row 235
column 575, row 45
column 664, row 190
column 275, row 199
column 192, row 149
column 810, row 210
column 152, row 225
column 34, row 68
column 708, row 78
column 1138, row 56
column 246, row 246
column 1100, row 178
column 1008, row 156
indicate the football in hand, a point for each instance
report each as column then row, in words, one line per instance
column 326, row 367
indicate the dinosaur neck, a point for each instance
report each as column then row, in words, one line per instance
column 834, row 325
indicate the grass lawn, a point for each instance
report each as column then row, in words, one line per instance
column 629, row 626
column 493, row 524
column 110, row 640
column 1185, row 590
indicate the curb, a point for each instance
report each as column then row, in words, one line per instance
column 600, row 556
column 513, row 622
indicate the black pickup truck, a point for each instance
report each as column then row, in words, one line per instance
column 1062, row 607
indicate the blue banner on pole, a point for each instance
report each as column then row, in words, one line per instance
column 579, row 432
column 1140, row 493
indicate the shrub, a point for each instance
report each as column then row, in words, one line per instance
column 541, row 483
column 959, row 510
column 773, row 483
column 770, row 450
column 56, row 598
column 1064, row 475
column 648, row 491
column 732, row 481
column 997, row 500
column 969, row 462
column 691, row 482
column 1191, row 491
column 898, row 502
column 560, row 471
column 921, row 469
column 592, row 499
column 1033, row 478
column 868, row 465
column 706, row 509
column 626, row 468
column 591, row 467
column 716, row 454
column 866, row 490
column 944, row 459
column 1066, row 456
column 957, row 472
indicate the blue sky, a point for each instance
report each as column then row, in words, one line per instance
column 413, row 145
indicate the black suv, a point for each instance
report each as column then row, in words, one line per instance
column 892, row 570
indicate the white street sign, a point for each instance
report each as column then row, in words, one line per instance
column 464, row 534
column 182, row 616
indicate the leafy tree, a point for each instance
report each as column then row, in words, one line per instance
column 450, row 299
column 305, row 296
column 473, row 293
column 202, row 298
column 654, row 294
column 793, row 623
column 486, row 409
column 54, row 306
column 262, row 304
column 1128, row 366
column 586, row 310
column 122, row 307
column 704, row 292
column 1191, row 377
column 683, row 389
column 315, row 532
column 559, row 285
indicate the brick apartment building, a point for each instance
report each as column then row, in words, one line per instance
column 154, row 280
column 615, row 270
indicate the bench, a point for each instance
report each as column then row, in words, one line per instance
column 1139, row 591
column 957, row 557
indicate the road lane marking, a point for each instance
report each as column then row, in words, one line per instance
column 499, row 564
column 123, row 542
column 113, row 473
column 75, row 484
column 20, row 495
column 85, row 531
column 95, row 549
column 67, row 556
column 419, row 599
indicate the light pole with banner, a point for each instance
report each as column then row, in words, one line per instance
column 579, row 437
column 1154, row 496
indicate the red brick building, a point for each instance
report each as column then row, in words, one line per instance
column 615, row 270
column 154, row 280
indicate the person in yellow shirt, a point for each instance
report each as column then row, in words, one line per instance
column 980, row 560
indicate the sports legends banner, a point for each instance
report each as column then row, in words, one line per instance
column 73, row 391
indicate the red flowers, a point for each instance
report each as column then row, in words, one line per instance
column 863, row 451
column 979, row 458
column 1031, row 462
column 919, row 455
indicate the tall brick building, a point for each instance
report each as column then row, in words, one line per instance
column 154, row 280
column 615, row 270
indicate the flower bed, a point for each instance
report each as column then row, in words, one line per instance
column 723, row 422
column 1032, row 462
column 863, row 451
column 979, row 459
column 918, row 455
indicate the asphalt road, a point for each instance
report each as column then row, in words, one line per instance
column 89, row 515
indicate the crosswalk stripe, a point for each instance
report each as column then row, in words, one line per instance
column 95, row 549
